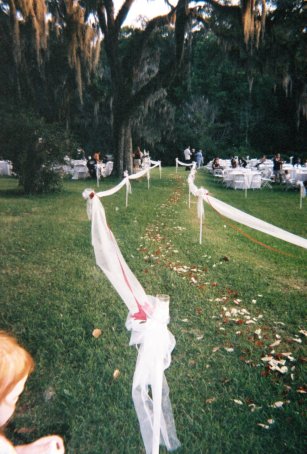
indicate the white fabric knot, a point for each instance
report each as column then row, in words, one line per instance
column 86, row 194
column 154, row 412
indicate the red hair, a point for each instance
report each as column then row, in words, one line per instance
column 15, row 363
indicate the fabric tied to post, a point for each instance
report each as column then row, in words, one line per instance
column 200, row 193
column 154, row 413
column 148, row 324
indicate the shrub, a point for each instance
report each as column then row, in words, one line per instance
column 34, row 147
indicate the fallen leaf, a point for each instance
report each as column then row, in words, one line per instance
column 96, row 333
column 302, row 390
column 24, row 430
column 49, row 393
column 302, row 359
column 297, row 339
column 275, row 343
column 259, row 343
column 116, row 374
column 254, row 407
column 278, row 404
column 267, row 358
column 264, row 426
column 237, row 401
column 210, row 400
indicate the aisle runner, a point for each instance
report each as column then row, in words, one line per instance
column 239, row 216
column 147, row 320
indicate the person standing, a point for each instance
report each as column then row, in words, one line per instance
column 92, row 164
column 199, row 158
column 187, row 156
column 137, row 159
column 277, row 168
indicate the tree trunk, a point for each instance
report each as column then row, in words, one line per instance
column 123, row 147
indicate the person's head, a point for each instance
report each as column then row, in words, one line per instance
column 15, row 366
column 96, row 155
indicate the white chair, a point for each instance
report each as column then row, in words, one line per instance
column 218, row 174
column 239, row 181
column 80, row 172
column 228, row 179
column 256, row 181
column 290, row 184
column 266, row 179
column 109, row 168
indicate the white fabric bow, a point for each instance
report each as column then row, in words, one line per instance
column 148, row 324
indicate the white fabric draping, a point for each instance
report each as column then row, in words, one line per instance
column 302, row 189
column 156, row 163
column 200, row 193
column 302, row 192
column 148, row 325
column 255, row 223
column 125, row 182
column 192, row 164
column 243, row 218
column 154, row 414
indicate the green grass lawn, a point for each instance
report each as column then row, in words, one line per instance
column 233, row 303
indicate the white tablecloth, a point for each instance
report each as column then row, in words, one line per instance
column 242, row 179
column 6, row 168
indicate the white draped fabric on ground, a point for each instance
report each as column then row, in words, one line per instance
column 239, row 216
column 147, row 320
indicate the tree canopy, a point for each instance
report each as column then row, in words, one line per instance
column 207, row 71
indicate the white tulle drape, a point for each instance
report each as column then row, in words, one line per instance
column 147, row 320
column 180, row 163
column 243, row 218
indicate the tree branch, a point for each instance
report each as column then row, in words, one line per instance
column 109, row 6
column 122, row 14
column 101, row 16
column 142, row 37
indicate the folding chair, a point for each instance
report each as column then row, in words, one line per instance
column 256, row 181
column 266, row 179
column 239, row 181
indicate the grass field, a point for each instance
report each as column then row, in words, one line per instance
column 234, row 304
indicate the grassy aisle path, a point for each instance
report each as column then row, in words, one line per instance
column 237, row 312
